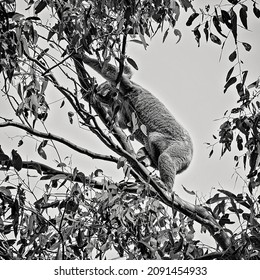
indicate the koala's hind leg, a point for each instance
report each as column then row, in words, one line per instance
column 172, row 161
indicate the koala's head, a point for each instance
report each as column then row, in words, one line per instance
column 106, row 93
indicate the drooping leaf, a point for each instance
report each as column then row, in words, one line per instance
column 188, row 191
column 206, row 30
column 234, row 24
column 191, row 19
column 20, row 143
column 226, row 18
column 244, row 73
column 244, row 160
column 19, row 90
column 256, row 11
column 137, row 41
column 40, row 6
column 233, row 56
column 15, row 216
column 165, row 34
column 44, row 143
column 240, row 89
column 216, row 23
column 230, row 82
column 62, row 103
column 235, row 209
column 243, row 15
column 247, row 46
column 225, row 220
column 33, row 18
column 132, row 63
column 197, row 34
column 70, row 115
column 16, row 160
column 229, row 73
column 239, row 140
column 220, row 208
column 213, row 199
column 41, row 152
column 41, row 55
column 215, row 39
column 234, row 2
column 143, row 40
column 177, row 32
column 249, row 200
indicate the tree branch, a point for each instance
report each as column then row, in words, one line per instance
column 60, row 140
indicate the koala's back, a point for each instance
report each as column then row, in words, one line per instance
column 154, row 115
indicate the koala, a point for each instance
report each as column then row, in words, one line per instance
column 116, row 108
column 167, row 143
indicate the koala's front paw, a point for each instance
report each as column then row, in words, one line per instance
column 143, row 157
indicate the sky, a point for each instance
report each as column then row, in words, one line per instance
column 189, row 81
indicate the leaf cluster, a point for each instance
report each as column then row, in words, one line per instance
column 238, row 209
column 79, row 227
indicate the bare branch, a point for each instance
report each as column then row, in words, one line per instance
column 60, row 140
